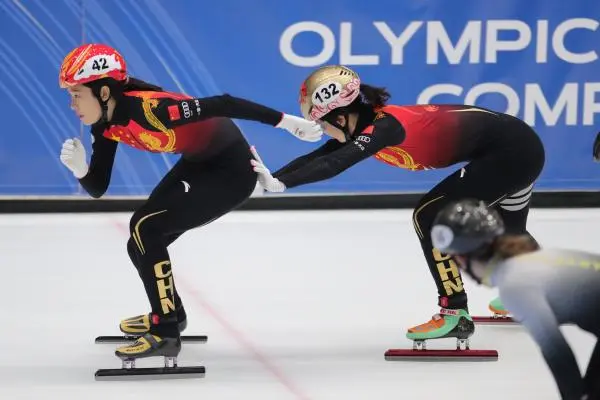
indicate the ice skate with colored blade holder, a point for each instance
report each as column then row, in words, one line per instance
column 500, row 315
column 148, row 346
column 447, row 324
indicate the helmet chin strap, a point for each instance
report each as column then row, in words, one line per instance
column 104, row 105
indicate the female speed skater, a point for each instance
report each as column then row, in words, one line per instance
column 543, row 289
column 212, row 177
column 504, row 157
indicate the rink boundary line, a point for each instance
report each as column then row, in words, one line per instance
column 273, row 217
column 228, row 327
column 79, row 203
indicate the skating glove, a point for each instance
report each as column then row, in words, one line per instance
column 72, row 155
column 265, row 178
column 303, row 129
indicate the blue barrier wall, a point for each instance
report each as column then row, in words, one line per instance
column 539, row 62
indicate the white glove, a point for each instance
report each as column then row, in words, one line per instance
column 72, row 155
column 303, row 129
column 265, row 178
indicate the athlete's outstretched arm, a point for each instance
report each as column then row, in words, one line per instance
column 386, row 132
column 329, row 146
column 179, row 112
column 173, row 113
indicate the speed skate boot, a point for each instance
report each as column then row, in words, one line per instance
column 500, row 315
column 446, row 324
column 498, row 309
column 161, row 339
column 150, row 345
column 140, row 324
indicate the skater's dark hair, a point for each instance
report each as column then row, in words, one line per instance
column 374, row 96
column 117, row 88
column 134, row 84
column 370, row 97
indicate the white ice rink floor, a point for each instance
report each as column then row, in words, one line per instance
column 296, row 305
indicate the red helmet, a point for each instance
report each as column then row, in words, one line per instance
column 91, row 62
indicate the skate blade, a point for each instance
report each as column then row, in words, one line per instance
column 125, row 374
column 441, row 355
column 494, row 321
column 129, row 339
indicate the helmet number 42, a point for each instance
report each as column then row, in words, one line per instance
column 100, row 64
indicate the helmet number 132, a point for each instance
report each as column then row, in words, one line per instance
column 326, row 93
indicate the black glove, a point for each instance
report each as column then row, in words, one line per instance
column 597, row 148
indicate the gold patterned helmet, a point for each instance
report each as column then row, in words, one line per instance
column 328, row 88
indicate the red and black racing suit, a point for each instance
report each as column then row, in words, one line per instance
column 504, row 157
column 213, row 176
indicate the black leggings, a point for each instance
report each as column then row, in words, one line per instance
column 503, row 177
column 192, row 194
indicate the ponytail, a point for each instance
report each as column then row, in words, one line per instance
column 134, row 84
column 370, row 98
column 374, row 96
column 118, row 88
